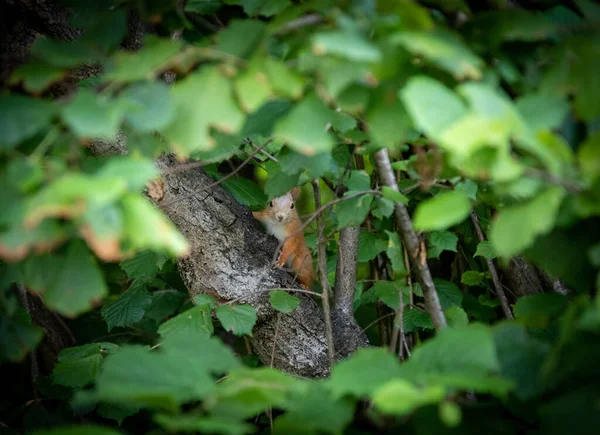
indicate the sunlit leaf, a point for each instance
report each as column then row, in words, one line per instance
column 239, row 319
column 443, row 211
column 283, row 301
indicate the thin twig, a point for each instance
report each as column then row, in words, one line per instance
column 493, row 272
column 262, row 151
column 404, row 224
column 216, row 183
column 298, row 23
column 570, row 186
column 326, row 290
column 183, row 167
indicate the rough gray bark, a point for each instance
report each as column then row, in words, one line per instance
column 345, row 328
column 231, row 258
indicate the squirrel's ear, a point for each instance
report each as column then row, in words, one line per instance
column 294, row 192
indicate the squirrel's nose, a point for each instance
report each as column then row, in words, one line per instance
column 280, row 216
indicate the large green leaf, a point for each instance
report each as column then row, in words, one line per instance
column 129, row 308
column 445, row 50
column 149, row 106
column 432, row 106
column 400, row 397
column 246, row 192
column 441, row 241
column 90, row 115
column 395, row 252
column 364, row 372
column 79, row 366
column 18, row 336
column 144, row 263
column 241, row 37
column 146, row 227
column 135, row 171
column 78, row 284
column 388, row 121
column 443, row 211
column 203, row 100
column 239, row 319
column 21, row 118
column 348, row 45
column 517, row 227
column 369, row 245
column 304, row 127
column 144, row 63
column 196, row 320
column 486, row 250
column 352, row 212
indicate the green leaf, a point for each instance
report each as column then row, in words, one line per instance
column 253, row 89
column 284, row 81
column 448, row 292
column 146, row 227
column 514, row 229
column 348, row 45
column 77, row 373
column 440, row 241
column 144, row 263
column 588, row 157
column 543, row 111
column 164, row 304
column 445, row 50
column 316, row 166
column 414, row 319
column 395, row 252
column 364, row 372
column 383, row 208
column 283, row 301
column 393, row 195
column 197, row 320
column 21, row 118
column 203, row 100
column 144, row 63
column 521, row 358
column 149, row 106
column 352, row 212
column 116, row 412
column 245, row 191
column 450, row 413
column 203, row 6
column 78, row 283
column 93, row 116
column 241, row 37
column 486, row 250
column 304, row 127
column 129, row 308
column 442, row 211
column 432, row 106
column 369, row 245
column 472, row 278
column 401, row 397
column 315, row 410
column 456, row 316
column 388, row 292
column 135, row 171
column 469, row 187
column 538, row 311
column 18, row 336
column 357, row 180
column 163, row 379
column 36, row 76
column 239, row 319
column 388, row 122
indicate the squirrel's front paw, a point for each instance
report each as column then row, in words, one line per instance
column 279, row 264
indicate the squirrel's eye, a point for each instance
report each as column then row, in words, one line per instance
column 271, row 204
column 292, row 205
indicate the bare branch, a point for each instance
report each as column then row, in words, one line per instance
column 382, row 162
column 490, row 264
column 306, row 20
column 322, row 261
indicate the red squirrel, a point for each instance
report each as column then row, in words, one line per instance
column 281, row 220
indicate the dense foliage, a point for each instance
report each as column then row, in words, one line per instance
column 491, row 109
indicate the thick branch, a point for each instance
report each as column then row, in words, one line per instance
column 490, row 264
column 404, row 224
column 345, row 275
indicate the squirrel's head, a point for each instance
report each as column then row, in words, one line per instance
column 282, row 208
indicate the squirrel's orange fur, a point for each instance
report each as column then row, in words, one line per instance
column 281, row 219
